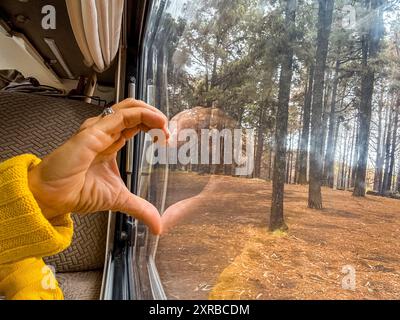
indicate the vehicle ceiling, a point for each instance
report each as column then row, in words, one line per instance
column 10, row 10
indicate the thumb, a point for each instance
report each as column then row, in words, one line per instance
column 140, row 209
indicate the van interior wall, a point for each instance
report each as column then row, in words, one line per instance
column 16, row 54
column 104, row 92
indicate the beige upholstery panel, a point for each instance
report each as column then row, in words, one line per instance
column 80, row 285
column 87, row 251
column 38, row 125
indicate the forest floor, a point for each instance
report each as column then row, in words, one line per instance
column 222, row 250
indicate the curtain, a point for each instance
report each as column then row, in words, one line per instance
column 97, row 28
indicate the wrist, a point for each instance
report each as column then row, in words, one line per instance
column 35, row 185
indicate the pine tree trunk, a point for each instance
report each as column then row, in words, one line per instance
column 379, row 158
column 276, row 218
column 348, row 157
column 370, row 49
column 351, row 158
column 340, row 164
column 288, row 160
column 355, row 155
column 324, row 30
column 325, row 115
column 330, row 154
column 270, row 161
column 297, row 166
column 305, row 136
column 343, row 161
column 383, row 150
column 367, row 88
column 393, row 148
column 335, row 144
column 388, row 130
column 398, row 179
column 260, row 144
column 291, row 166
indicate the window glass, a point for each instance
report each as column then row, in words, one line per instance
column 281, row 179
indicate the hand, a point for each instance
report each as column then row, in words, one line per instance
column 82, row 175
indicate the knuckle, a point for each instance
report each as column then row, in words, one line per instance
column 119, row 115
column 95, row 132
column 87, row 123
column 131, row 102
column 90, row 132
column 92, row 137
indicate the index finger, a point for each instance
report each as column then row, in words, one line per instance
column 108, row 130
column 131, row 118
column 133, row 103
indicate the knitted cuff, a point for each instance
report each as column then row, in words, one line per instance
column 24, row 230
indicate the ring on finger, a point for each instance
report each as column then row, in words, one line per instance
column 107, row 111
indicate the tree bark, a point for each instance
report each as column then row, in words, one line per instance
column 337, row 129
column 388, row 136
column 343, row 174
column 351, row 158
column 393, row 148
column 297, row 164
column 330, row 152
column 260, row 143
column 379, row 144
column 305, row 136
column 289, row 160
column 270, row 151
column 324, row 29
column 370, row 49
column 398, row 179
column 276, row 218
column 355, row 155
column 325, row 114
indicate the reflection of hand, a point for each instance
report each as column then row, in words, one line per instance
column 82, row 175
column 184, row 208
column 196, row 119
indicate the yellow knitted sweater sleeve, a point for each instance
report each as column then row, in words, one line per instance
column 29, row 279
column 24, row 231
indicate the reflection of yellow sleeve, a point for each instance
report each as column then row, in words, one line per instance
column 24, row 231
